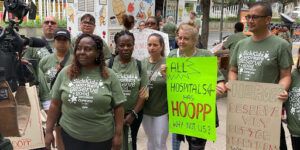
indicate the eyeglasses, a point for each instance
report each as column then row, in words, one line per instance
column 254, row 17
column 50, row 22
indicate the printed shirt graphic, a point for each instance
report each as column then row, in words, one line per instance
column 249, row 61
column 87, row 104
column 293, row 105
column 157, row 104
column 261, row 61
column 47, row 71
column 43, row 52
column 131, row 80
column 82, row 91
column 48, row 66
column 38, row 53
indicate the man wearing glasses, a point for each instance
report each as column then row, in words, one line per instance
column 87, row 26
column 34, row 55
column 262, row 57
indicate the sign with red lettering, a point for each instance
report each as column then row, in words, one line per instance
column 33, row 137
column 191, row 89
column 253, row 116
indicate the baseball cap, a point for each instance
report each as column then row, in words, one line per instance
column 62, row 32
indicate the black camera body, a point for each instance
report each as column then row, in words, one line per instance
column 12, row 44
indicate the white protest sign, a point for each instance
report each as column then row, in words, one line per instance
column 140, row 46
column 253, row 116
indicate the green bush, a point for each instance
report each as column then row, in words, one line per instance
column 231, row 19
column 276, row 20
column 62, row 23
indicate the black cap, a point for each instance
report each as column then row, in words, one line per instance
column 62, row 32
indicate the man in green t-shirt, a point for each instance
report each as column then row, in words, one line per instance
column 34, row 55
column 87, row 26
column 232, row 40
column 262, row 57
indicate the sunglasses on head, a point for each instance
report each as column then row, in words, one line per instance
column 50, row 22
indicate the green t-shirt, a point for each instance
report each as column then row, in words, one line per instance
column 49, row 64
column 38, row 53
column 261, row 61
column 34, row 55
column 87, row 104
column 131, row 80
column 47, row 71
column 199, row 53
column 106, row 50
column 170, row 29
column 157, row 104
column 232, row 40
column 293, row 105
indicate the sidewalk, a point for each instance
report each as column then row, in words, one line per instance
column 220, row 143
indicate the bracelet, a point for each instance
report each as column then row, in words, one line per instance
column 135, row 114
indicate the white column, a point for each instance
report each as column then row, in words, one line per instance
column 58, row 9
column 64, row 8
column 45, row 8
column 48, row 8
column 53, row 8
column 40, row 9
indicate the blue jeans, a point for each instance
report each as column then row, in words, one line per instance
column 175, row 142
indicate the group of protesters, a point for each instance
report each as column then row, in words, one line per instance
column 97, row 100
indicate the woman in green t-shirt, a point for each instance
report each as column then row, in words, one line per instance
column 293, row 107
column 133, row 77
column 90, row 98
column 155, row 119
column 186, row 38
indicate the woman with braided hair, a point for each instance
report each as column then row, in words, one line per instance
column 90, row 99
column 133, row 77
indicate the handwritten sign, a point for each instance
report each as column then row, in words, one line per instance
column 141, row 38
column 191, row 88
column 253, row 116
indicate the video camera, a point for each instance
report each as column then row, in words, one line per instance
column 12, row 43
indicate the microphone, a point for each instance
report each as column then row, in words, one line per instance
column 35, row 42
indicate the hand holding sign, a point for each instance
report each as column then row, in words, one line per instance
column 283, row 96
column 191, row 91
column 163, row 69
column 221, row 89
